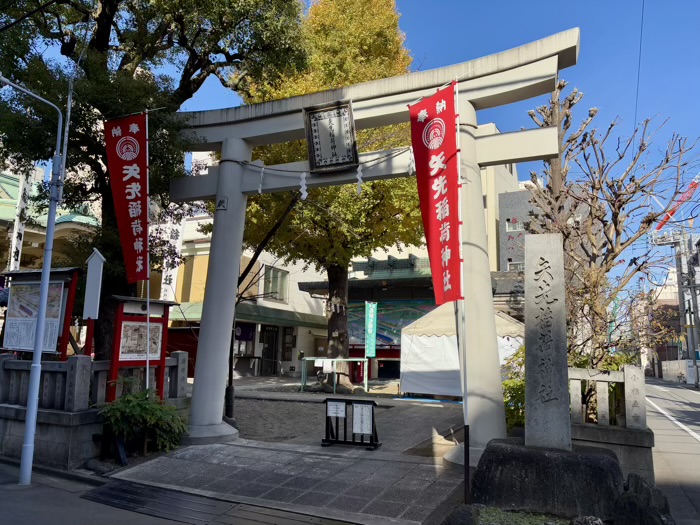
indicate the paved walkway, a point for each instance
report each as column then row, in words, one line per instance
column 673, row 413
column 285, row 467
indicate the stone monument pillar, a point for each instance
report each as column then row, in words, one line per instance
column 547, row 419
column 222, row 283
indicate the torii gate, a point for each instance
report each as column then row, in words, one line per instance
column 518, row 74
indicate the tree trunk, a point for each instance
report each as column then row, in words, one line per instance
column 338, row 338
column 113, row 279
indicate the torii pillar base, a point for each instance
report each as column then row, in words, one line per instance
column 208, row 434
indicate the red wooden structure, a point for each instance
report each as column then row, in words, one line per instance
column 131, row 311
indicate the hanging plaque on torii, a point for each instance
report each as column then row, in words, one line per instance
column 330, row 135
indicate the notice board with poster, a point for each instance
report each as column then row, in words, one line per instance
column 23, row 310
column 132, row 348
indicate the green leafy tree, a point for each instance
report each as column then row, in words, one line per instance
column 345, row 46
column 126, row 56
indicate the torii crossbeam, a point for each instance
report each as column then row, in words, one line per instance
column 518, row 74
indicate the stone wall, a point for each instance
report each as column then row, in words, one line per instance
column 69, row 399
column 633, row 448
column 629, row 439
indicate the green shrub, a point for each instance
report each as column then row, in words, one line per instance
column 514, row 399
column 142, row 419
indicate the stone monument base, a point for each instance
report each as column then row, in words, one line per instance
column 583, row 482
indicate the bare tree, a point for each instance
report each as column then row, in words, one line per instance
column 598, row 195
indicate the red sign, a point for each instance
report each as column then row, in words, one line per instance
column 127, row 161
column 434, row 140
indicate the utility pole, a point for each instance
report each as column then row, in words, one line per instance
column 676, row 239
column 27, row 459
column 693, row 286
column 687, row 283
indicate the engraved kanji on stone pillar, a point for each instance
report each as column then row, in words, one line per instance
column 547, row 416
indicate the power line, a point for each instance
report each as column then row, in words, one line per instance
column 639, row 65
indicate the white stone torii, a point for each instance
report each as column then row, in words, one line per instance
column 518, row 74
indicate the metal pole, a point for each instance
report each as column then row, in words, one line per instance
column 680, row 276
column 25, row 469
column 694, row 320
column 148, row 265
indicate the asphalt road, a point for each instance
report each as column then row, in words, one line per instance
column 673, row 413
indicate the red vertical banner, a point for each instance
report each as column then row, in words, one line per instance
column 434, row 140
column 127, row 161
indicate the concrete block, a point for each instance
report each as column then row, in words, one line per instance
column 603, row 403
column 180, row 387
column 46, row 394
column 619, row 435
column 78, row 383
column 4, row 377
column 13, row 389
column 100, row 388
column 59, row 390
column 23, row 388
column 576, row 405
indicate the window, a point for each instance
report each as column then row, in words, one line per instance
column 514, row 225
column 275, row 284
column 516, row 266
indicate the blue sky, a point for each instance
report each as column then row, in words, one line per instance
column 444, row 32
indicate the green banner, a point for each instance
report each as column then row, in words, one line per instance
column 370, row 329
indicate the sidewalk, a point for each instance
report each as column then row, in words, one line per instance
column 277, row 473
column 57, row 501
column 279, row 463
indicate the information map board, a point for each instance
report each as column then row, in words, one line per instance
column 22, row 312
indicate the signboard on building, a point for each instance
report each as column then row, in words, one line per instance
column 22, row 310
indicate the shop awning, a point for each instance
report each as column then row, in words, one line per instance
column 253, row 313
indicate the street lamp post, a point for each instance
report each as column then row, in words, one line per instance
column 25, row 469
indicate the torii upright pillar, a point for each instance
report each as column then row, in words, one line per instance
column 485, row 412
column 507, row 77
column 219, row 299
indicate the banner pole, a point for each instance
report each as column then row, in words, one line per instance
column 459, row 311
column 148, row 261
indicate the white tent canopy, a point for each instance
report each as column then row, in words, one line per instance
column 429, row 354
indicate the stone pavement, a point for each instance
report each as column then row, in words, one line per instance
column 401, row 482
